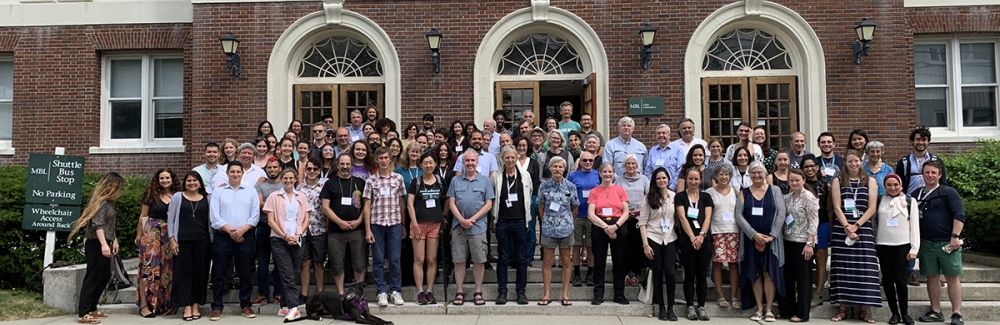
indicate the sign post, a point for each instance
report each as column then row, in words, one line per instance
column 55, row 182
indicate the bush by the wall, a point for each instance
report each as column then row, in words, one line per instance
column 975, row 173
column 20, row 266
column 982, row 224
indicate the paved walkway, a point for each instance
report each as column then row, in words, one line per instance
column 429, row 320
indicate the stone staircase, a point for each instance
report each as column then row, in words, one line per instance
column 981, row 292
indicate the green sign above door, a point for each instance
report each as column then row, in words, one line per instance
column 645, row 106
column 55, row 179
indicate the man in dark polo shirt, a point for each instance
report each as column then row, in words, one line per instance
column 341, row 203
column 942, row 217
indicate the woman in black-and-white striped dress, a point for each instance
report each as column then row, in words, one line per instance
column 854, row 277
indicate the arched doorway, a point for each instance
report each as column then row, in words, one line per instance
column 528, row 63
column 321, row 65
column 759, row 59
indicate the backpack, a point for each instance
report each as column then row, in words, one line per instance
column 119, row 280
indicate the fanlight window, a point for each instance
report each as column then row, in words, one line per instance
column 746, row 49
column 540, row 54
column 340, row 57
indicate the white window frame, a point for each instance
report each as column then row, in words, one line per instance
column 956, row 131
column 7, row 146
column 146, row 143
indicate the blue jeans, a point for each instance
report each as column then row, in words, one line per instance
column 388, row 243
column 511, row 235
column 529, row 246
column 224, row 251
column 263, row 261
column 909, row 267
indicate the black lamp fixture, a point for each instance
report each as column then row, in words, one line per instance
column 229, row 46
column 866, row 31
column 434, row 42
column 646, row 33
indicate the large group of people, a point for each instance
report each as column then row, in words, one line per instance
column 332, row 197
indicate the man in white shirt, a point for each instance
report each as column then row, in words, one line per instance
column 489, row 127
column 685, row 129
column 356, row 130
column 211, row 165
column 251, row 173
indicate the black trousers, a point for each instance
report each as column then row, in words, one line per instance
column 892, row 261
column 191, row 272
column 695, row 263
column 664, row 272
column 798, row 282
column 96, row 279
column 600, row 242
column 635, row 259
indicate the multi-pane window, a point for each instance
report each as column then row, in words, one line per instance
column 956, row 84
column 6, row 101
column 143, row 100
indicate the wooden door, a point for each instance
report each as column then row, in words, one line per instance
column 590, row 98
column 516, row 97
column 724, row 106
column 313, row 101
column 359, row 97
column 760, row 101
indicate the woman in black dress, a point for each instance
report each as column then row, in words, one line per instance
column 191, row 242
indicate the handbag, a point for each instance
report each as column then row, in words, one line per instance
column 646, row 290
column 119, row 280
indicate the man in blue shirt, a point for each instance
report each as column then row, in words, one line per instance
column 616, row 149
column 942, row 218
column 470, row 198
column 665, row 154
column 356, row 130
column 585, row 179
column 234, row 211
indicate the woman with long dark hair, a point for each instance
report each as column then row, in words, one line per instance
column 444, row 158
column 155, row 268
column 383, row 126
column 760, row 139
column 286, row 153
column 262, row 151
column 328, row 161
column 296, row 127
column 857, row 140
column 694, row 214
column 410, row 134
column 780, row 171
column 810, row 168
column 696, row 159
column 656, row 225
column 191, row 241
column 456, row 138
column 101, row 243
column 395, row 152
column 264, row 129
column 741, row 168
column 363, row 159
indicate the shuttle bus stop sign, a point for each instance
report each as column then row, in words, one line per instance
column 55, row 179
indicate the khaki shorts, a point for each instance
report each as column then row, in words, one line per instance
column 462, row 244
column 565, row 242
column 581, row 231
column 339, row 243
column 934, row 261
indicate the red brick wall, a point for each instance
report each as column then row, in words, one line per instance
column 876, row 95
column 57, row 84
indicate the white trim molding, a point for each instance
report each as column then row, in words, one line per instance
column 7, row 152
column 522, row 22
column 282, row 67
column 803, row 46
column 949, row 3
column 66, row 13
column 112, row 151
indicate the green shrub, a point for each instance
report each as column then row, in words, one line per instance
column 19, row 267
column 982, row 224
column 975, row 173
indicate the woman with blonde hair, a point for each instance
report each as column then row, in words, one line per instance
column 99, row 217
column 155, row 272
column 229, row 150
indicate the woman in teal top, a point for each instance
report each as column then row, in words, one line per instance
column 874, row 165
column 409, row 163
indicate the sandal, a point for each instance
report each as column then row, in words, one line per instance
column 756, row 316
column 147, row 308
column 796, row 319
column 98, row 314
column 864, row 317
column 736, row 304
column 478, row 296
column 567, row 302
column 88, row 319
column 769, row 316
column 841, row 314
column 723, row 303
column 459, row 299
column 544, row 302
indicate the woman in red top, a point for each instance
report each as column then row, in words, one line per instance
column 608, row 211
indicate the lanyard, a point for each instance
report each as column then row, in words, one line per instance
column 350, row 184
column 923, row 195
column 326, row 174
column 854, row 190
column 510, row 182
column 409, row 171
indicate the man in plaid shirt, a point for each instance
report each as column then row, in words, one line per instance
column 383, row 200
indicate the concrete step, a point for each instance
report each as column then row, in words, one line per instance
column 972, row 311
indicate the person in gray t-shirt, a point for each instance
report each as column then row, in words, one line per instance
column 263, row 243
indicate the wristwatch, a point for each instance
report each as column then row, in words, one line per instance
column 810, row 244
column 701, row 233
column 953, row 235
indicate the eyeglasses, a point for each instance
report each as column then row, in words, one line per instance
column 586, row 160
column 312, row 169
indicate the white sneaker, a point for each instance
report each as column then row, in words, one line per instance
column 397, row 298
column 283, row 312
column 710, row 283
column 292, row 315
column 383, row 299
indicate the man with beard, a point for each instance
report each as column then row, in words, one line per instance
column 587, row 127
column 830, row 164
column 487, row 162
column 909, row 168
column 341, row 203
column 501, row 118
column 271, row 185
column 685, row 129
column 428, row 125
column 798, row 150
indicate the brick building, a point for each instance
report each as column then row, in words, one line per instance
column 140, row 84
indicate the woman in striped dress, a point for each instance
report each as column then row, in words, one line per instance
column 854, row 277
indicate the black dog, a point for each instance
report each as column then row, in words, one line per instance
column 351, row 306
